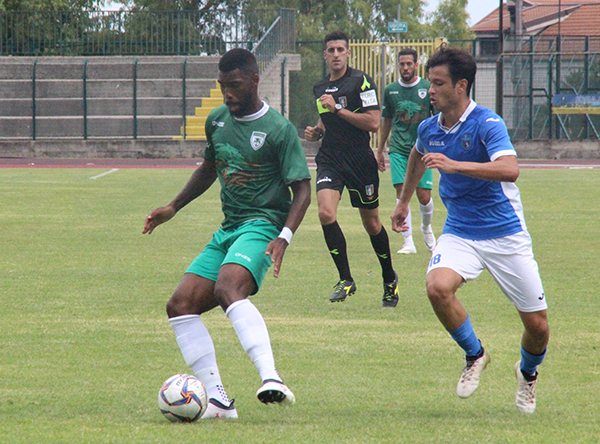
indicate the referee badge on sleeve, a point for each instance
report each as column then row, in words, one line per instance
column 369, row 98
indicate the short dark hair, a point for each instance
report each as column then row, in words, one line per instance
column 409, row 51
column 336, row 35
column 460, row 63
column 239, row 58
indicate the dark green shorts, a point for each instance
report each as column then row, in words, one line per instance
column 245, row 246
column 398, row 164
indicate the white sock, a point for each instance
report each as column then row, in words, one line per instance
column 426, row 213
column 408, row 234
column 198, row 351
column 252, row 331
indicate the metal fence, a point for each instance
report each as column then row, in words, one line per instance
column 380, row 61
column 280, row 37
column 120, row 97
column 534, row 70
column 100, row 33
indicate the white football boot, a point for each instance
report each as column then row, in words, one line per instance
column 217, row 409
column 409, row 246
column 428, row 237
column 274, row 391
column 526, row 393
column 469, row 380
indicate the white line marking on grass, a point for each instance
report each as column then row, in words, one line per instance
column 104, row 174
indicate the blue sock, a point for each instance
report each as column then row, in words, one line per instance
column 529, row 362
column 465, row 337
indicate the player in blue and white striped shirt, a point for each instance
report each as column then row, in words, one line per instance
column 485, row 227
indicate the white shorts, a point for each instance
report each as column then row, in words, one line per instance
column 508, row 259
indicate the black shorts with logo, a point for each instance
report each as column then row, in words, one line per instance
column 361, row 179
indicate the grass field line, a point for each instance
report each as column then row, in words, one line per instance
column 106, row 173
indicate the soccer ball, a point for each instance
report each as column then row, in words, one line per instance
column 182, row 398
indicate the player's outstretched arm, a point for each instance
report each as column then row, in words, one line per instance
column 300, row 203
column 384, row 133
column 200, row 181
column 503, row 169
column 414, row 172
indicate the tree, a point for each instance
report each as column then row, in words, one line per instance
column 360, row 19
column 449, row 20
column 53, row 5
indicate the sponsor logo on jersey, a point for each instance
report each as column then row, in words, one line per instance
column 491, row 119
column 217, row 123
column 369, row 98
column 343, row 101
column 436, row 143
column 324, row 179
column 257, row 140
column 370, row 190
column 465, row 142
column 394, row 92
column 331, row 89
column 422, row 93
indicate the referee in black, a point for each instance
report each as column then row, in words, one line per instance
column 348, row 111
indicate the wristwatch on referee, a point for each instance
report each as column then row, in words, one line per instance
column 320, row 133
column 338, row 106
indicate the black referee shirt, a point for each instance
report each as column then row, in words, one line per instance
column 355, row 91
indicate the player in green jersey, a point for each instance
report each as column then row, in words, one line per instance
column 405, row 105
column 257, row 156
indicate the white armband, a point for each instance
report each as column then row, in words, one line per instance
column 286, row 234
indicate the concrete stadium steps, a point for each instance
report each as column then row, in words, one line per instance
column 61, row 88
column 108, row 101
column 152, row 106
column 194, row 125
column 97, row 126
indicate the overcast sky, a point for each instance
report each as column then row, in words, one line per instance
column 477, row 9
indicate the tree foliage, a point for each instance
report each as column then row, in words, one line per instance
column 50, row 5
column 360, row 19
column 450, row 21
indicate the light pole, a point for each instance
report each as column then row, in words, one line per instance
column 500, row 62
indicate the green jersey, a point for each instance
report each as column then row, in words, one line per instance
column 257, row 157
column 407, row 105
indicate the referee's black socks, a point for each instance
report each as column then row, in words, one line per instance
column 381, row 245
column 336, row 243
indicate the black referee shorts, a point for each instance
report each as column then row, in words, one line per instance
column 361, row 179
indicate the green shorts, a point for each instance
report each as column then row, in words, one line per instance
column 398, row 164
column 245, row 246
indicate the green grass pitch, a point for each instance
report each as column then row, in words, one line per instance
column 86, row 343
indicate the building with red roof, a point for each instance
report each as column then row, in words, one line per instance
column 542, row 19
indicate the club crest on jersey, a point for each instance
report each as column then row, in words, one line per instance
column 370, row 190
column 465, row 142
column 422, row 93
column 343, row 101
column 257, row 140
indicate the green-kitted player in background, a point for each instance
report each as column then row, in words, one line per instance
column 405, row 105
